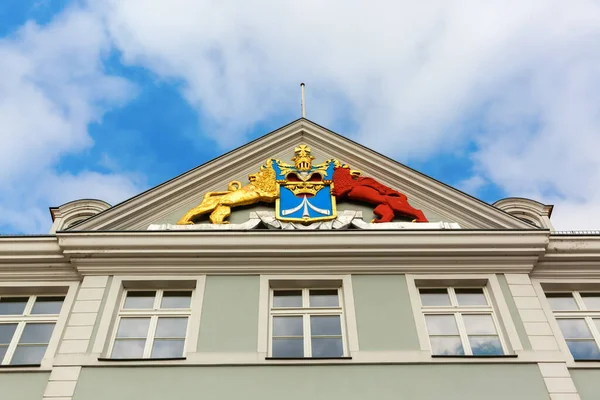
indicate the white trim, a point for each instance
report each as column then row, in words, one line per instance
column 25, row 289
column 103, row 343
column 349, row 325
column 497, row 308
column 581, row 313
column 408, row 357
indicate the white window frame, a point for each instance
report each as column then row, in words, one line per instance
column 459, row 311
column 581, row 313
column 505, row 327
column 153, row 313
column 25, row 319
column 107, row 329
column 67, row 290
column 346, row 299
column 305, row 311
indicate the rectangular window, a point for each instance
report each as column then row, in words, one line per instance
column 26, row 325
column 578, row 316
column 152, row 324
column 307, row 323
column 461, row 321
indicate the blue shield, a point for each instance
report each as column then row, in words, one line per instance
column 305, row 195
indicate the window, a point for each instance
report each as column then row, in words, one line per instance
column 461, row 321
column 578, row 316
column 152, row 324
column 307, row 323
column 26, row 325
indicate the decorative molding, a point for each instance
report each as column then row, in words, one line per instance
column 265, row 251
column 34, row 258
column 69, row 255
column 73, row 212
column 344, row 220
column 570, row 257
column 139, row 212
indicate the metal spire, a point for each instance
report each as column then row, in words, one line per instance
column 302, row 102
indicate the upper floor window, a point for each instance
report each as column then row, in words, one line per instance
column 26, row 326
column 578, row 316
column 307, row 323
column 461, row 321
column 152, row 324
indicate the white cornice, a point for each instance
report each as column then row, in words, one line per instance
column 452, row 205
column 34, row 259
column 570, row 257
column 69, row 255
column 304, row 252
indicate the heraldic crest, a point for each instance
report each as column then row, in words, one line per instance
column 303, row 192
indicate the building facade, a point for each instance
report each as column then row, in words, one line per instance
column 340, row 274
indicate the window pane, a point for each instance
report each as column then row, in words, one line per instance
column 446, row 345
column 137, row 299
column 324, row 298
column 479, row 324
column 288, row 348
column 591, row 300
column 287, row 326
column 441, row 325
column 171, row 327
column 6, row 333
column 597, row 322
column 28, row 355
column 470, row 297
column 325, row 325
column 47, row 305
column 163, row 348
column 327, row 347
column 133, row 328
column 583, row 349
column 485, row 345
column 37, row 333
column 287, row 298
column 127, row 348
column 434, row 297
column 562, row 301
column 13, row 305
column 574, row 328
column 176, row 299
column 3, row 350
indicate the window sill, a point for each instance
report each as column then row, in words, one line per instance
column 141, row 359
column 307, row 358
column 20, row 366
column 481, row 356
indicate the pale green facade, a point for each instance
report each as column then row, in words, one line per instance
column 382, row 382
column 22, row 385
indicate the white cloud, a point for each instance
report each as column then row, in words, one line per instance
column 471, row 185
column 519, row 78
column 52, row 85
column 410, row 76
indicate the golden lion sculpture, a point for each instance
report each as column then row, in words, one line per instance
column 262, row 188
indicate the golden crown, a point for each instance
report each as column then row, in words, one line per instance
column 303, row 158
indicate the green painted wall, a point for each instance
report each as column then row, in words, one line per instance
column 514, row 313
column 383, row 313
column 229, row 320
column 349, row 382
column 23, row 385
column 587, row 382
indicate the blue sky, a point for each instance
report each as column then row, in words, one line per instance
column 105, row 99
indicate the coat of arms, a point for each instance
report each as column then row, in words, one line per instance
column 304, row 189
column 304, row 192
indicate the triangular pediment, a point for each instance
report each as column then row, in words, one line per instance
column 166, row 203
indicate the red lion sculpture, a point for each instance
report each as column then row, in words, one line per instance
column 389, row 201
